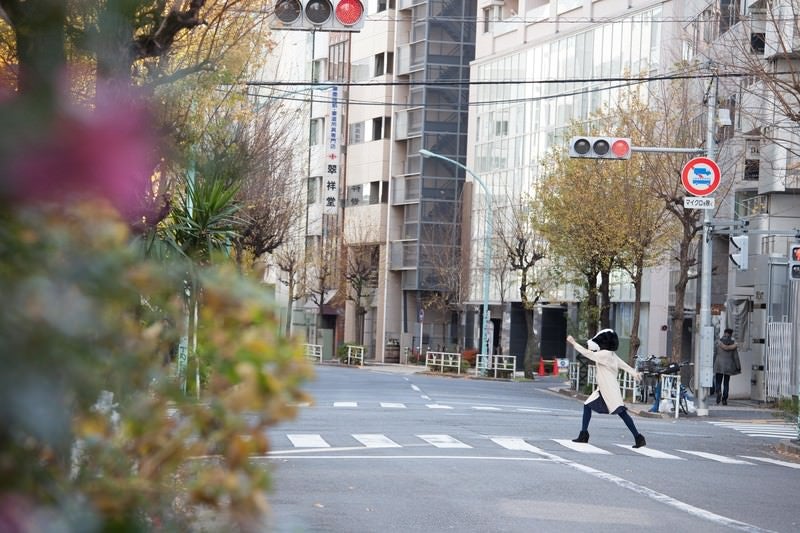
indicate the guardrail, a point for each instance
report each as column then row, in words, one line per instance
column 355, row 353
column 314, row 352
column 443, row 360
column 575, row 376
column 492, row 364
column 671, row 390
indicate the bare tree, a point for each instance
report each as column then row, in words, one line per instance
column 289, row 258
column 523, row 248
column 321, row 274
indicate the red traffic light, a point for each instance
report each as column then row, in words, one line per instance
column 621, row 148
column 349, row 12
column 600, row 147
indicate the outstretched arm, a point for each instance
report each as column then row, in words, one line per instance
column 587, row 353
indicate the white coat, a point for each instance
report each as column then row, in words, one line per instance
column 608, row 367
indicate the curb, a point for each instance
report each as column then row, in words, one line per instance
column 789, row 447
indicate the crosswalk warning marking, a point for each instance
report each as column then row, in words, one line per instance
column 437, row 406
column 393, row 405
column 650, row 452
column 718, row 458
column 773, row 461
column 582, row 447
column 443, row 441
column 374, row 440
column 345, row 404
column 308, row 441
column 766, row 429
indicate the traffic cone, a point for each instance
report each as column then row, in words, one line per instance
column 555, row 367
column 541, row 366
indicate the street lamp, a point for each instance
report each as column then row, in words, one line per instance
column 487, row 243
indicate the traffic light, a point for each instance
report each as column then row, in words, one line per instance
column 600, row 147
column 319, row 15
column 794, row 261
column 739, row 257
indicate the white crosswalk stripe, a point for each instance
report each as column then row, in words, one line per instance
column 583, row 447
column 773, row 461
column 345, row 404
column 485, row 408
column 308, row 441
column 437, row 406
column 718, row 458
column 393, row 405
column 767, row 429
column 650, row 452
column 443, row 441
column 376, row 441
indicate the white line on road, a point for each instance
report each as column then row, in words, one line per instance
column 345, row 404
column 520, row 444
column 583, row 447
column 650, row 452
column 392, row 405
column 485, row 408
column 718, row 458
column 415, row 388
column 437, row 406
column 375, row 440
column 308, row 441
column 773, row 461
column 443, row 441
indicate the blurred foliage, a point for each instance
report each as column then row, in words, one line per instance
column 84, row 314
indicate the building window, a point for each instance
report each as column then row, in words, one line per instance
column 751, row 169
column 315, row 131
column 312, row 192
column 383, row 64
column 758, row 43
column 381, row 128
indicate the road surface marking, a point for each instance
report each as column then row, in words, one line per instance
column 415, row 388
column 767, row 429
column 437, row 406
column 392, row 405
column 521, row 445
column 650, row 452
column 582, row 447
column 485, row 408
column 718, row 458
column 307, row 441
column 443, row 441
column 773, row 461
column 345, row 404
column 371, row 440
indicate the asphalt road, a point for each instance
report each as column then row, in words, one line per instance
column 388, row 452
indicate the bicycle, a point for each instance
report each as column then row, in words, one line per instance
column 652, row 371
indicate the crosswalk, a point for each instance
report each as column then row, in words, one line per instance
column 363, row 441
column 768, row 429
column 346, row 405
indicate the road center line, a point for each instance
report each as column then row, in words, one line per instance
column 522, row 445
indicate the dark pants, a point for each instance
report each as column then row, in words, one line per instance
column 721, row 382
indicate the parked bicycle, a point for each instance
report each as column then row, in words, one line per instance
column 652, row 368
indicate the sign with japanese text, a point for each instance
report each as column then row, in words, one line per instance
column 330, row 176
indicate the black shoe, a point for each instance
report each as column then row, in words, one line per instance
column 640, row 441
column 718, row 400
column 583, row 436
column 724, row 402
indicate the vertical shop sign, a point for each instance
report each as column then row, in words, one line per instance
column 332, row 156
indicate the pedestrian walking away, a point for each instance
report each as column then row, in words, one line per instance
column 726, row 364
column 606, row 398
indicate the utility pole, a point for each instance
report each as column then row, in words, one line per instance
column 704, row 367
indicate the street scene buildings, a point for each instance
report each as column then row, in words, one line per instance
column 490, row 89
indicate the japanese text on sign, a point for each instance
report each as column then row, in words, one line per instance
column 331, row 175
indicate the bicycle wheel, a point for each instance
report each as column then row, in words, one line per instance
column 683, row 403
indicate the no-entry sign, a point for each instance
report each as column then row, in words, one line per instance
column 700, row 176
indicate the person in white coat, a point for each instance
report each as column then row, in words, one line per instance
column 606, row 398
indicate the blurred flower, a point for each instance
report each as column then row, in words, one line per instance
column 109, row 151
